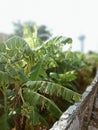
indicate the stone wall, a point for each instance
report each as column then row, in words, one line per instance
column 93, row 124
column 77, row 116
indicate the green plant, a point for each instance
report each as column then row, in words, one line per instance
column 38, row 80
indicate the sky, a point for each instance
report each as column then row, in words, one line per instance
column 70, row 18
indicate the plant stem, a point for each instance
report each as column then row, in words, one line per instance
column 5, row 98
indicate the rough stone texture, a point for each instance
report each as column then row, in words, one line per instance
column 93, row 124
column 92, row 128
column 79, row 116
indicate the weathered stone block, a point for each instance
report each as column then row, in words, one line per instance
column 96, row 104
column 92, row 128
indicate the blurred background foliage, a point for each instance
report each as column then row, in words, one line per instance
column 43, row 33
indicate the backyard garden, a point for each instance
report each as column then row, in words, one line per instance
column 39, row 80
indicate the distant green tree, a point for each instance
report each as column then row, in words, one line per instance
column 43, row 33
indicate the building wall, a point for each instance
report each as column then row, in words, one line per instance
column 3, row 36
